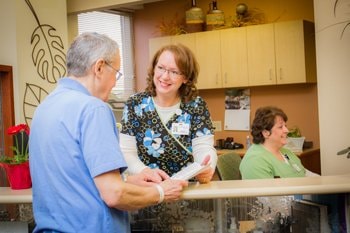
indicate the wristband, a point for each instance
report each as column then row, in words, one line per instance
column 161, row 193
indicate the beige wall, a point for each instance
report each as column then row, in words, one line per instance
column 19, row 24
column 298, row 101
column 8, row 43
column 333, row 68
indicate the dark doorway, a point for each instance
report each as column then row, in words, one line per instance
column 7, row 116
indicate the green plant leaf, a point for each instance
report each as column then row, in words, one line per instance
column 294, row 132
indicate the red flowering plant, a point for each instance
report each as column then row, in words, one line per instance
column 20, row 134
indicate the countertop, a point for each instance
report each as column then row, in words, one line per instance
column 269, row 187
column 8, row 195
column 234, row 188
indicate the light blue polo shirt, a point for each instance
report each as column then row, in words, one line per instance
column 73, row 138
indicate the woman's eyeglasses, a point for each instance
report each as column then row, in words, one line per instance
column 160, row 70
column 118, row 74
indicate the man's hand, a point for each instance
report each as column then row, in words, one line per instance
column 173, row 189
column 148, row 176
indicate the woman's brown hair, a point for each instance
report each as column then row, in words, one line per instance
column 188, row 66
column 264, row 120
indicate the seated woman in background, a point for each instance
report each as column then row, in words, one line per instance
column 267, row 158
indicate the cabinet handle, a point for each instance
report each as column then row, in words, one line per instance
column 270, row 71
column 281, row 76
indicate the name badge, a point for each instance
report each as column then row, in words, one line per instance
column 297, row 168
column 180, row 128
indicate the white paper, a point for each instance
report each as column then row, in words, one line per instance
column 189, row 171
column 237, row 119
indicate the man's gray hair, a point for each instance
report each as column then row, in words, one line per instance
column 86, row 49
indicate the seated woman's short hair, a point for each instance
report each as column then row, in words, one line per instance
column 264, row 120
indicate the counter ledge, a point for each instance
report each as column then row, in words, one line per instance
column 268, row 187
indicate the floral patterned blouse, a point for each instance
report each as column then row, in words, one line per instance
column 160, row 144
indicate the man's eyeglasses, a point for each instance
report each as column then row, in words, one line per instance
column 118, row 74
column 160, row 70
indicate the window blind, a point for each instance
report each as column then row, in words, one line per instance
column 119, row 28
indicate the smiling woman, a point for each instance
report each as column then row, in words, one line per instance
column 168, row 125
column 267, row 157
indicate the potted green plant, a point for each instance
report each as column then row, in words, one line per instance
column 295, row 140
column 17, row 165
column 294, row 132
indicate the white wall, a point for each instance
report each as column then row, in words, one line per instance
column 333, row 74
column 18, row 22
column 8, row 45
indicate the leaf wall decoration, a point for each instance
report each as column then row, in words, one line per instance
column 47, row 54
column 49, row 59
column 335, row 8
column 347, row 22
column 48, row 51
column 33, row 96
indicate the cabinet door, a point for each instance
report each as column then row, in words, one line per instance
column 294, row 56
column 188, row 40
column 157, row 43
column 209, row 58
column 261, row 55
column 234, row 59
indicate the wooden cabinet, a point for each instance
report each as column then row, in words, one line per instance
column 222, row 56
column 202, row 44
column 218, row 68
column 281, row 53
column 188, row 40
column 209, row 58
column 157, row 43
column 261, row 55
column 265, row 54
column 295, row 52
column 185, row 39
column 234, row 66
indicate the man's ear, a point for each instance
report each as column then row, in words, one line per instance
column 98, row 66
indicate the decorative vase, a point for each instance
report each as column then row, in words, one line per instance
column 215, row 17
column 18, row 175
column 194, row 19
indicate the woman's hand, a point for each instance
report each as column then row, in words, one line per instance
column 206, row 175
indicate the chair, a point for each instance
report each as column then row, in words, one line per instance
column 228, row 166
